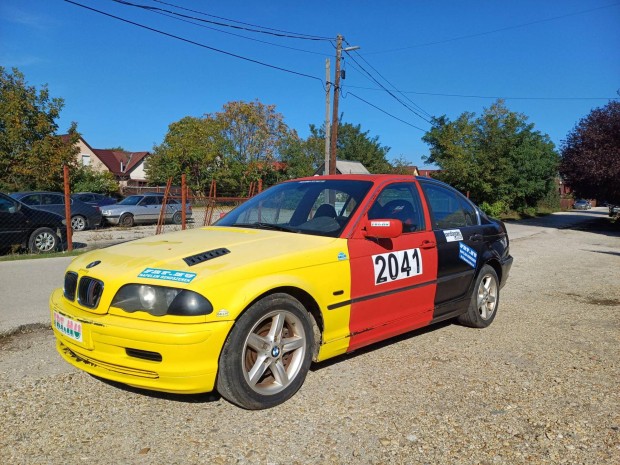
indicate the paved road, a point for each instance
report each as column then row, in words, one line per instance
column 25, row 285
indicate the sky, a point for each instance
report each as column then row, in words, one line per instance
column 552, row 60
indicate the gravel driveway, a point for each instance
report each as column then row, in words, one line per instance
column 540, row 386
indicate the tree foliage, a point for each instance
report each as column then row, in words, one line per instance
column 496, row 157
column 32, row 155
column 85, row 179
column 591, row 155
column 353, row 145
column 193, row 146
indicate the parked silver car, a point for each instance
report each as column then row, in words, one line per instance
column 143, row 209
column 582, row 204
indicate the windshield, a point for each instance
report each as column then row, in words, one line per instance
column 321, row 207
column 131, row 200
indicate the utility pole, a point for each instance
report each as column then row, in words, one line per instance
column 334, row 132
column 328, row 86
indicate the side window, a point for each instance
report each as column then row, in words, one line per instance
column 52, row 199
column 6, row 205
column 33, row 200
column 448, row 208
column 399, row 201
column 149, row 200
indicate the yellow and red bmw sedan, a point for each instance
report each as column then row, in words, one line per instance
column 305, row 271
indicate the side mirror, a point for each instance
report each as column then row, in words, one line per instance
column 383, row 228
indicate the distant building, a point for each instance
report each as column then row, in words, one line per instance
column 345, row 167
column 127, row 167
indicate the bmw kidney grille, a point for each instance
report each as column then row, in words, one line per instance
column 89, row 292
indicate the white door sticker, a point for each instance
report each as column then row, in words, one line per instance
column 397, row 265
column 453, row 235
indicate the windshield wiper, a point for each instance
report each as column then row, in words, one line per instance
column 259, row 225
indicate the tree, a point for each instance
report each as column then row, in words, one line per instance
column 591, row 155
column 354, row 145
column 497, row 157
column 85, row 179
column 254, row 130
column 192, row 146
column 32, row 155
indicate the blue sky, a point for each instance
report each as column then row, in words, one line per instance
column 553, row 60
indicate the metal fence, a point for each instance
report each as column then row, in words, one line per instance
column 44, row 222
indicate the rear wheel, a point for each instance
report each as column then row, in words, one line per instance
column 78, row 223
column 176, row 218
column 267, row 354
column 484, row 301
column 126, row 220
column 43, row 240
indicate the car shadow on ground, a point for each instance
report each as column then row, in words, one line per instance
column 184, row 398
column 380, row 345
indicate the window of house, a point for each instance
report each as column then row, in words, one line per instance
column 85, row 159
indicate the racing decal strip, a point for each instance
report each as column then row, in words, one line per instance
column 379, row 295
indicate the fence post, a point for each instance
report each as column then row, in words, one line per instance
column 68, row 208
column 183, row 201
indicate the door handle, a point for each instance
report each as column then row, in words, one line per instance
column 475, row 237
column 428, row 245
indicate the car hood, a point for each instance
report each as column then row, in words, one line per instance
column 235, row 253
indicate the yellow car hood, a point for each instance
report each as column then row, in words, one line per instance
column 253, row 253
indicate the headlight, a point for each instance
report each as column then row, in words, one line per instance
column 64, row 222
column 159, row 301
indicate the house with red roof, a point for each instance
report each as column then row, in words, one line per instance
column 127, row 167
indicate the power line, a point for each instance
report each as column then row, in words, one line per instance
column 204, row 26
column 392, row 85
column 493, row 31
column 195, row 43
column 218, row 23
column 389, row 91
column 383, row 111
column 239, row 22
column 489, row 96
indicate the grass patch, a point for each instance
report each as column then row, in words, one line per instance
column 29, row 256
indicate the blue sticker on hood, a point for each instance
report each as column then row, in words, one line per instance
column 167, row 275
column 342, row 256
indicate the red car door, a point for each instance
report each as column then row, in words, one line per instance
column 393, row 280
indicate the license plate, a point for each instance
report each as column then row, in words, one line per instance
column 68, row 327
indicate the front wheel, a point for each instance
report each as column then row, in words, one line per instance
column 177, row 218
column 78, row 223
column 43, row 240
column 484, row 300
column 267, row 355
column 126, row 220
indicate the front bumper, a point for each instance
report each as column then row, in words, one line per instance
column 159, row 356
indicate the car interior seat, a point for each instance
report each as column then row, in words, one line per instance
column 325, row 210
column 402, row 210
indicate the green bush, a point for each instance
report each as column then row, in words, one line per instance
column 496, row 209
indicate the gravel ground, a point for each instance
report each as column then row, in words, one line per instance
column 540, row 386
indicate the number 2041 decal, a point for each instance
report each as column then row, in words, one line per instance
column 397, row 265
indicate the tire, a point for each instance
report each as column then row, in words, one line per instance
column 267, row 354
column 484, row 300
column 126, row 220
column 43, row 240
column 177, row 218
column 78, row 223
